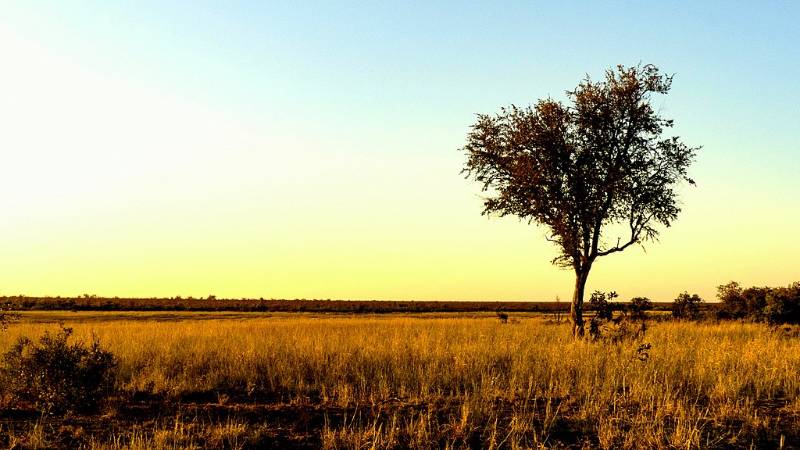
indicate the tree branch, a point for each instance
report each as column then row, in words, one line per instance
column 618, row 248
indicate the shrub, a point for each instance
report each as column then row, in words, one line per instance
column 755, row 300
column 624, row 329
column 57, row 376
column 732, row 303
column 639, row 307
column 603, row 311
column 502, row 316
column 599, row 303
column 604, row 326
column 782, row 305
column 6, row 315
column 773, row 305
column 686, row 306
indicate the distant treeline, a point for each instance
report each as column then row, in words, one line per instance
column 94, row 303
column 761, row 304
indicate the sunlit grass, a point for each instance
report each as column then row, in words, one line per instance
column 451, row 382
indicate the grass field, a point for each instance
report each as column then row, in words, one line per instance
column 261, row 380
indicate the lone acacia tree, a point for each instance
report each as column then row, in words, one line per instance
column 596, row 164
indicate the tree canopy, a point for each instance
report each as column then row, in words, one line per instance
column 577, row 167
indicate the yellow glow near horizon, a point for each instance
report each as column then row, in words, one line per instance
column 117, row 186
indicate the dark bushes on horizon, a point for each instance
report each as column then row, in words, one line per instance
column 639, row 307
column 22, row 303
column 94, row 303
column 762, row 304
column 687, row 306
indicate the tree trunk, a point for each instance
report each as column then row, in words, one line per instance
column 576, row 310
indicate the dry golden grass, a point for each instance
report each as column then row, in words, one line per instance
column 453, row 382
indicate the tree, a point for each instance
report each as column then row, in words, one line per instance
column 583, row 168
column 686, row 306
column 783, row 304
column 639, row 307
column 732, row 303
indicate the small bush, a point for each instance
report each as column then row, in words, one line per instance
column 639, row 307
column 6, row 315
column 686, row 306
column 502, row 316
column 57, row 376
column 621, row 329
column 603, row 312
column 599, row 303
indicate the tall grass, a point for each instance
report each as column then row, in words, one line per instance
column 398, row 382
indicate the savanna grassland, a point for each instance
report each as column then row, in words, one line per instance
column 254, row 380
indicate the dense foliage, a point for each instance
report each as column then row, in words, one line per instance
column 601, row 160
column 57, row 376
column 686, row 306
column 599, row 302
column 765, row 304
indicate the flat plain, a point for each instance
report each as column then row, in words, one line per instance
column 438, row 380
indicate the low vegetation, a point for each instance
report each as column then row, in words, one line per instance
column 56, row 376
column 774, row 305
column 687, row 306
column 450, row 381
column 211, row 303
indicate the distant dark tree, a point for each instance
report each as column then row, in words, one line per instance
column 755, row 300
column 639, row 307
column 732, row 303
column 783, row 304
column 600, row 160
column 738, row 303
column 762, row 304
column 686, row 306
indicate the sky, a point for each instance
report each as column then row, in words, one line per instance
column 277, row 150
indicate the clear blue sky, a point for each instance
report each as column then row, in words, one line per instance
column 338, row 149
